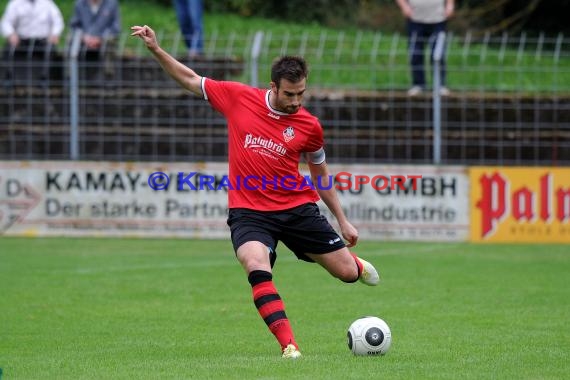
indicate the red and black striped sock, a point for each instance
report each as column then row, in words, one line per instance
column 358, row 264
column 271, row 307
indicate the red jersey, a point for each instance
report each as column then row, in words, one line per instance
column 265, row 146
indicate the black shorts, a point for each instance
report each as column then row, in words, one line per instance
column 302, row 229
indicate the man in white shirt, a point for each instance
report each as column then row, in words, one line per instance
column 32, row 29
column 425, row 19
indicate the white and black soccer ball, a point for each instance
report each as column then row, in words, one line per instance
column 369, row 336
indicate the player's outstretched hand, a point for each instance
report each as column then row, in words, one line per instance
column 147, row 35
column 349, row 233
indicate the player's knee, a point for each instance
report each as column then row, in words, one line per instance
column 348, row 275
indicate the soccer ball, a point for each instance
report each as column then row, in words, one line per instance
column 369, row 336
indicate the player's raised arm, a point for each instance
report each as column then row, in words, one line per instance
column 181, row 73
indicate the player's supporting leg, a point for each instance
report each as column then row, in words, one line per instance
column 270, row 307
column 255, row 259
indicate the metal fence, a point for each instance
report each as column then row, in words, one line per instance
column 510, row 100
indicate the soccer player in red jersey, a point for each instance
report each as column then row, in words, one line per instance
column 269, row 200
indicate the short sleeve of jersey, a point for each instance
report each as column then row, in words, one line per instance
column 222, row 94
column 316, row 140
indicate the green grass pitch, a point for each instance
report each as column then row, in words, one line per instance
column 75, row 308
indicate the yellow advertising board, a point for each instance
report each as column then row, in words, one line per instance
column 520, row 204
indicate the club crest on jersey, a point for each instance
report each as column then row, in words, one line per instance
column 289, row 134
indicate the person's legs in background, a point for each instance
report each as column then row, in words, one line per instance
column 416, row 43
column 8, row 64
column 433, row 32
column 183, row 21
column 189, row 14
column 109, row 58
column 196, row 12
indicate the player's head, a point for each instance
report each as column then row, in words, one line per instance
column 288, row 83
column 289, row 67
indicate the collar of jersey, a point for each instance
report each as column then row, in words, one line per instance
column 271, row 108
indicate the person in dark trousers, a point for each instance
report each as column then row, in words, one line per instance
column 190, row 18
column 425, row 19
column 99, row 22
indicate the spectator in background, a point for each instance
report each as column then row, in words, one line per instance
column 189, row 14
column 425, row 19
column 99, row 22
column 32, row 29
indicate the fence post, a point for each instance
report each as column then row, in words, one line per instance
column 74, row 95
column 437, row 56
column 255, row 52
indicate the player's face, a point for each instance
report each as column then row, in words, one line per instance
column 288, row 96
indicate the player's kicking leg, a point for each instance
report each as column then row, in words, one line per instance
column 368, row 274
column 347, row 267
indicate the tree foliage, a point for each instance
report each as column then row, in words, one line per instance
column 492, row 16
column 513, row 15
column 326, row 12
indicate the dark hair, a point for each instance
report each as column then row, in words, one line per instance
column 292, row 68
